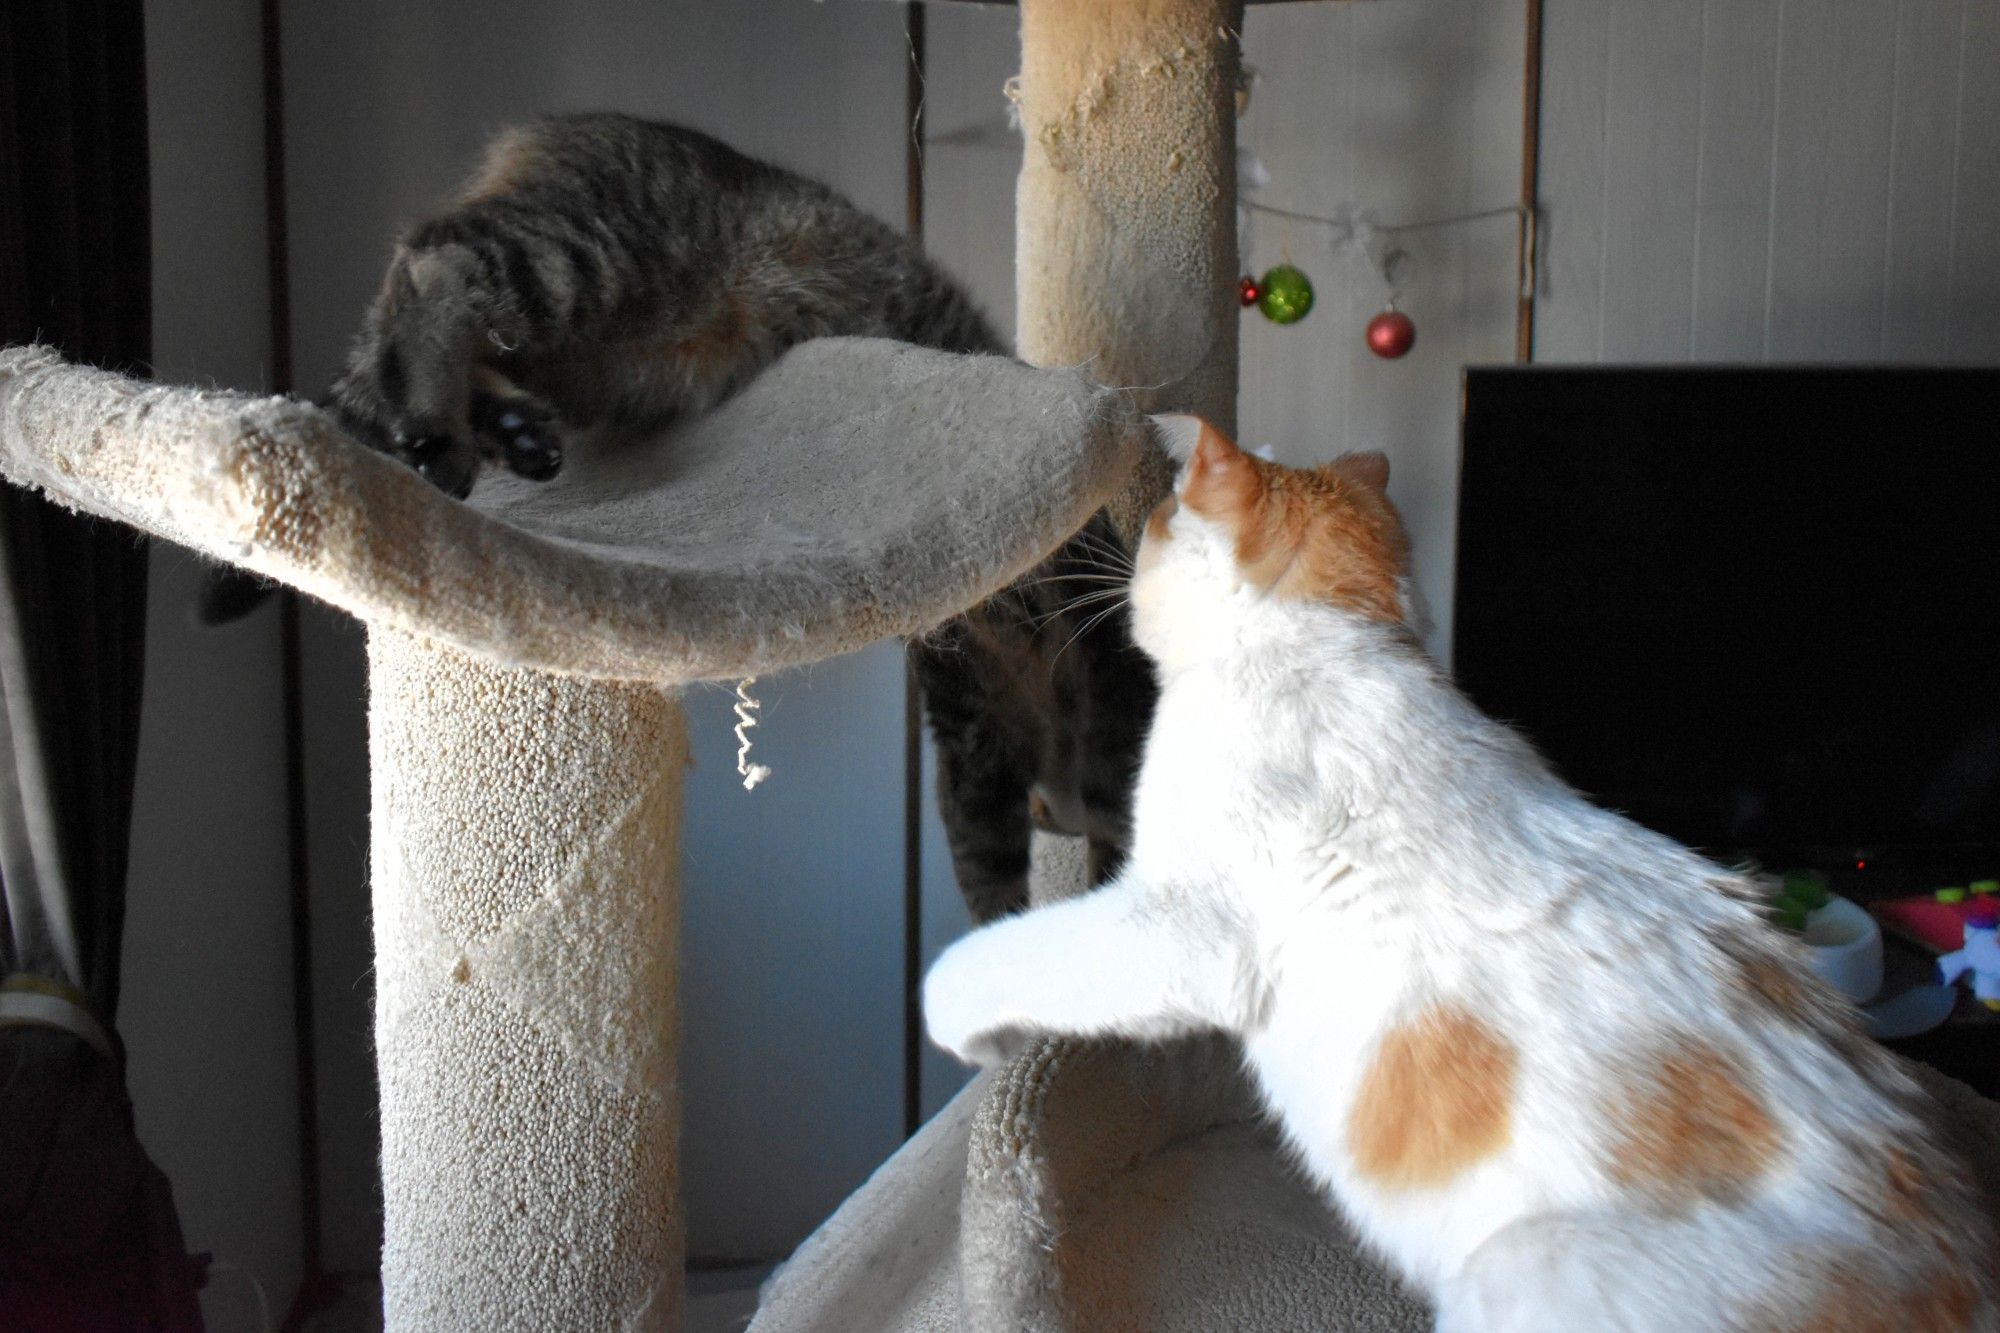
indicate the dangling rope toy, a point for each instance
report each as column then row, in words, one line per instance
column 746, row 717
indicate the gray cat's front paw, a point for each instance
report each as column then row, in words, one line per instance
column 520, row 432
column 446, row 462
column 517, row 433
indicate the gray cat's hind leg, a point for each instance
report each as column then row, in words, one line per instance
column 982, row 787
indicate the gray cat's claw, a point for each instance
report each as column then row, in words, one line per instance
column 533, row 457
column 450, row 470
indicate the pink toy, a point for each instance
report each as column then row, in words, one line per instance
column 1935, row 920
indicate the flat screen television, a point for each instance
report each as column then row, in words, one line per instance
column 1756, row 609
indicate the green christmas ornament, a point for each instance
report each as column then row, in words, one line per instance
column 1285, row 295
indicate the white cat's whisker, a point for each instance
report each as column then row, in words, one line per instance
column 1093, row 542
column 1086, row 627
column 1076, row 604
column 1076, row 578
column 1091, row 562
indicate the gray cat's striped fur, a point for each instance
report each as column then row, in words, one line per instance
column 605, row 272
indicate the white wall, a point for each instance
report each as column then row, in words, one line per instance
column 1771, row 180
column 206, row 1010
column 1410, row 110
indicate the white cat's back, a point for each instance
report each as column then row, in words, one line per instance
column 1642, row 1053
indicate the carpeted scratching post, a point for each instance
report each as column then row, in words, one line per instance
column 1125, row 265
column 1125, row 230
column 1125, row 212
column 525, row 875
column 526, row 757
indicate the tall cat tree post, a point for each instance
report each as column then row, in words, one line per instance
column 1125, row 235
column 526, row 756
column 1125, row 211
column 1125, row 255
column 1125, row 228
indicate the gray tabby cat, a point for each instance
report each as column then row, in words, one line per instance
column 602, row 271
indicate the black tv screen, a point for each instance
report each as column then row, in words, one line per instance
column 1758, row 609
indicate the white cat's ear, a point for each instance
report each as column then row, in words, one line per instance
column 1178, row 434
column 1370, row 469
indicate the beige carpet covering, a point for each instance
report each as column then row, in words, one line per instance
column 1125, row 238
column 1066, row 1193
column 525, row 882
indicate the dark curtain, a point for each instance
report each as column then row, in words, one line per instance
column 88, row 1235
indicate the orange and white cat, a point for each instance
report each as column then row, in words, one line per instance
column 1556, row 1068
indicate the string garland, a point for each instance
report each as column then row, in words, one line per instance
column 1396, row 228
column 1284, row 293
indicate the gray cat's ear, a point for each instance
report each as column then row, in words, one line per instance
column 1178, row 433
column 1370, row 469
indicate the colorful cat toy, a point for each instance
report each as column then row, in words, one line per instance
column 1981, row 954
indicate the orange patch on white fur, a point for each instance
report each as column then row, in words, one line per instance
column 1692, row 1131
column 1851, row 1295
column 1764, row 978
column 1778, row 986
column 1906, row 1192
column 1438, row 1100
column 1326, row 534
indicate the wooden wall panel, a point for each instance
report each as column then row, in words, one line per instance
column 1838, row 199
column 1576, row 62
column 1916, row 269
column 1830, row 180
column 1973, row 304
column 1732, row 181
column 1652, row 131
column 1405, row 112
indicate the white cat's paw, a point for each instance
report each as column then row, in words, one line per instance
column 964, row 1013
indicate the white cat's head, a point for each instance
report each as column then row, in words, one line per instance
column 1243, row 544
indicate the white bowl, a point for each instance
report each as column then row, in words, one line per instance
column 1844, row 946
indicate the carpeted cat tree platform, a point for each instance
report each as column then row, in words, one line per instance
column 527, row 758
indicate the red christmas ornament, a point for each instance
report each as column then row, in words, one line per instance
column 1391, row 334
column 1248, row 290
